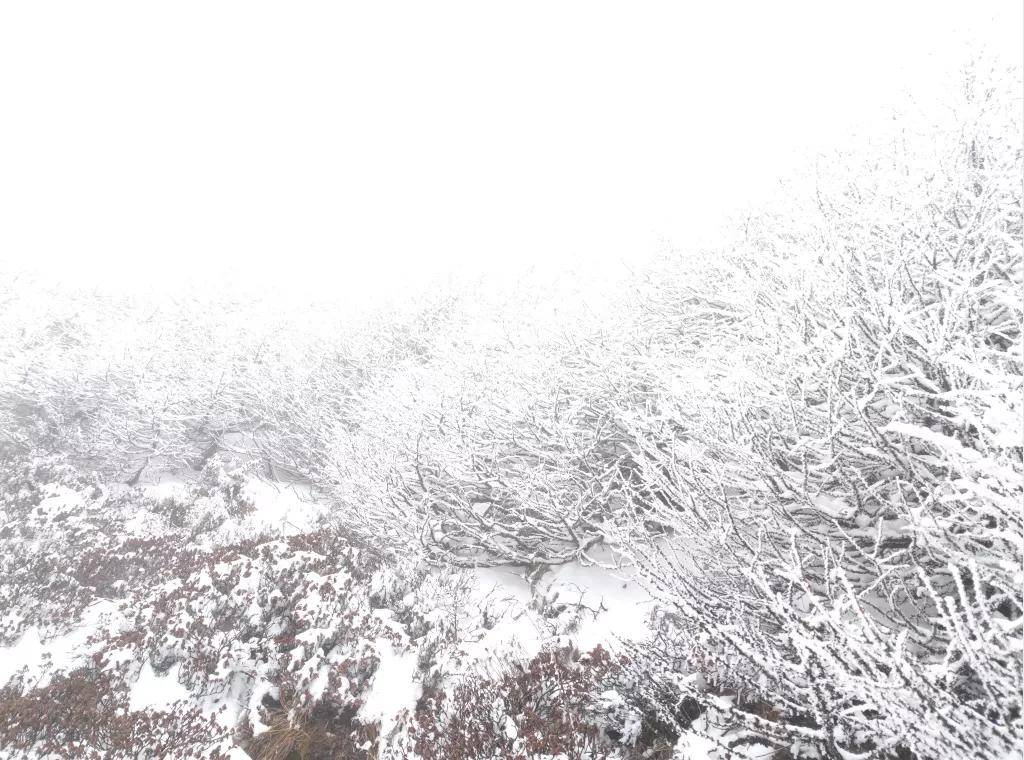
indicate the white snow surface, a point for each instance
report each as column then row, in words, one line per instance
column 609, row 604
column 41, row 655
column 394, row 690
column 614, row 607
column 156, row 691
column 285, row 510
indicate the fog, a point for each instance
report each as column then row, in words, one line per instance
column 369, row 150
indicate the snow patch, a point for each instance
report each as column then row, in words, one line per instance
column 612, row 606
column 394, row 689
column 40, row 657
column 154, row 691
column 286, row 511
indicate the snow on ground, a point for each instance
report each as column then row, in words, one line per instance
column 279, row 510
column 165, row 485
column 284, row 509
column 157, row 691
column 693, row 746
column 394, row 689
column 515, row 633
column 40, row 656
column 613, row 606
column 610, row 604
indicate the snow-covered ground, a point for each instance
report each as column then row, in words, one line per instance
column 161, row 641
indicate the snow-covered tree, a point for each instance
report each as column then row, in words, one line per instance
column 837, row 455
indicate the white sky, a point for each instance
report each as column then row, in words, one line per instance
column 351, row 146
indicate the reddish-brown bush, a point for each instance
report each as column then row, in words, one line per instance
column 84, row 714
column 543, row 708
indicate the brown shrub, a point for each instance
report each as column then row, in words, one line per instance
column 542, row 708
column 83, row 714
